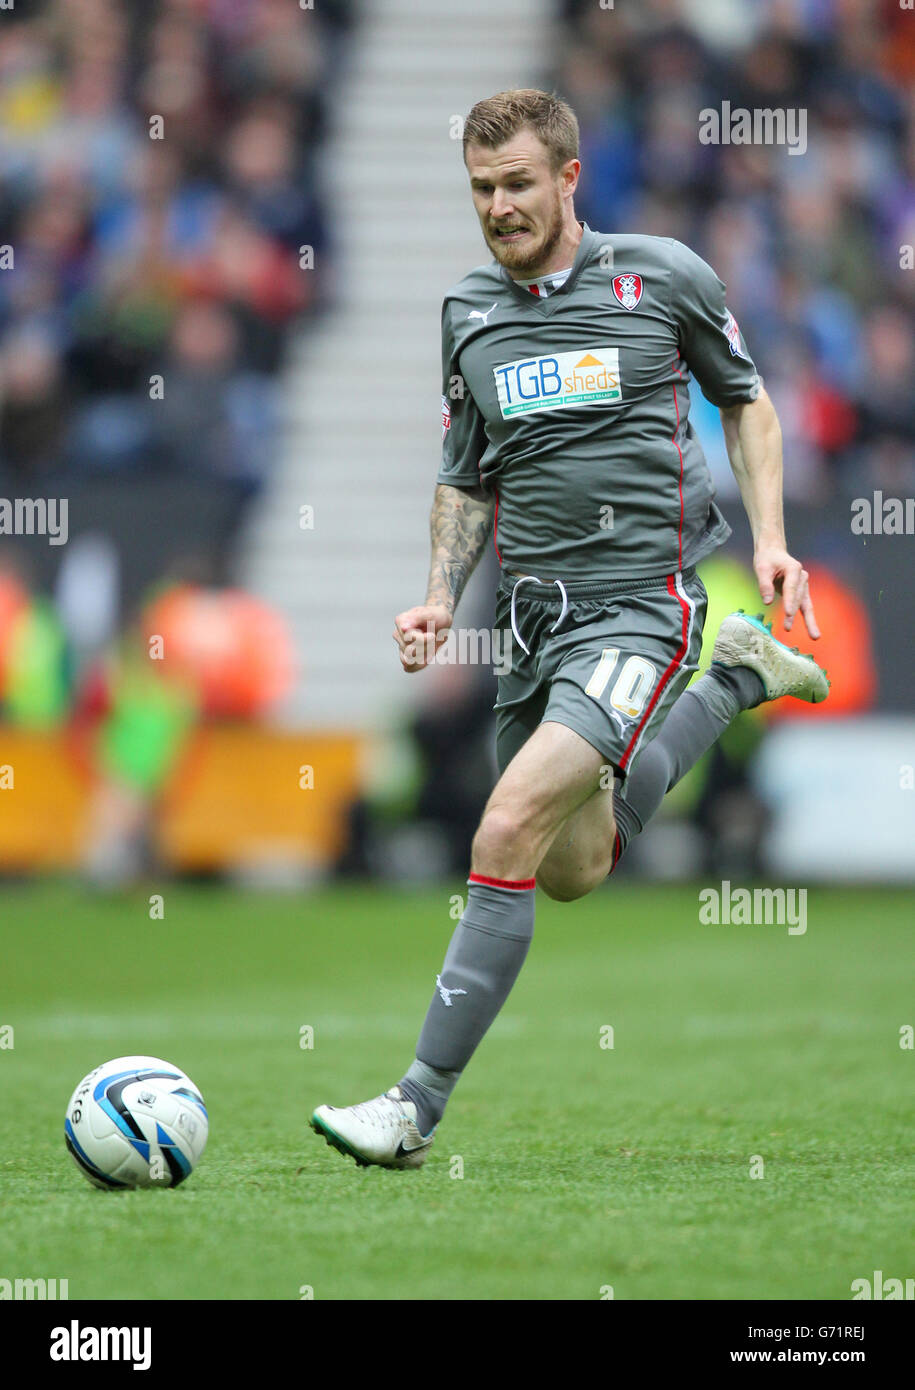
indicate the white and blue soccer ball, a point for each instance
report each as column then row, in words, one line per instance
column 136, row 1122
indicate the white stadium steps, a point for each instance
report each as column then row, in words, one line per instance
column 362, row 430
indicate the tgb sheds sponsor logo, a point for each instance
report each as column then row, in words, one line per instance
column 561, row 379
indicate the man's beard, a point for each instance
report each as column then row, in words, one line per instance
column 514, row 259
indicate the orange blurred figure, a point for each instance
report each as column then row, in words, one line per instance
column 845, row 650
column 234, row 649
column 14, row 600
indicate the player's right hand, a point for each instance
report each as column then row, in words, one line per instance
column 779, row 573
column 419, row 632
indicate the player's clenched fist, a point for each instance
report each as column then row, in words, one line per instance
column 419, row 632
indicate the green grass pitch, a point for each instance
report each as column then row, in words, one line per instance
column 583, row 1166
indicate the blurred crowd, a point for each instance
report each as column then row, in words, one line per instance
column 816, row 249
column 158, row 183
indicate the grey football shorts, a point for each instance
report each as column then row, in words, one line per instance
column 607, row 659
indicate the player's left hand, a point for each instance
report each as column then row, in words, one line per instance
column 777, row 572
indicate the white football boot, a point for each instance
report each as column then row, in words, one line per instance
column 381, row 1131
column 746, row 641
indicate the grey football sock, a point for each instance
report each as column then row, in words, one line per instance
column 742, row 685
column 429, row 1089
column 483, row 961
column 697, row 720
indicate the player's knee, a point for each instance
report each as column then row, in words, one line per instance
column 503, row 835
column 499, row 830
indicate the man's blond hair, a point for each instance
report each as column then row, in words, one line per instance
column 495, row 120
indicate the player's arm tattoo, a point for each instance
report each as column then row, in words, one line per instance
column 461, row 523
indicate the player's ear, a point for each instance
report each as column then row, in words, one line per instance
column 569, row 175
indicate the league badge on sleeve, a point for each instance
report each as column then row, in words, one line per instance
column 628, row 289
column 446, row 416
column 732, row 333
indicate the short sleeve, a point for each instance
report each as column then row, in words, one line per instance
column 463, row 433
column 710, row 340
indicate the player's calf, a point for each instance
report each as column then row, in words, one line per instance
column 581, row 856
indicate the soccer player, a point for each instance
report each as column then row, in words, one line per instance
column 566, row 364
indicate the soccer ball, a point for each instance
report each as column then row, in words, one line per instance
column 136, row 1122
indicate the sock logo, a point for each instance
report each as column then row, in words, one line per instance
column 447, row 993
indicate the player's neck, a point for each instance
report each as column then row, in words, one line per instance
column 562, row 257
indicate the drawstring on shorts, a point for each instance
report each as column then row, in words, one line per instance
column 532, row 579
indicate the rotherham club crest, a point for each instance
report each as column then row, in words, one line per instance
column 628, row 289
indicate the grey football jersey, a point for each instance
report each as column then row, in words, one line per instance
column 574, row 409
